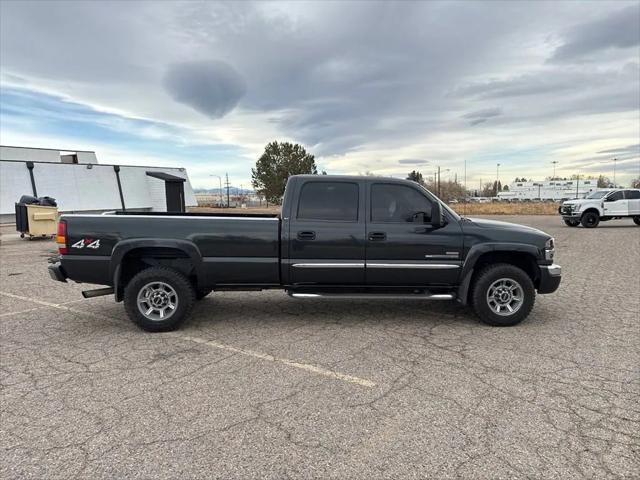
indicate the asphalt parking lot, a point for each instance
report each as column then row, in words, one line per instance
column 258, row 385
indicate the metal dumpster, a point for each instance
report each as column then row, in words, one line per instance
column 36, row 220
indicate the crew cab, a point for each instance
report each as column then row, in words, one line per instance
column 600, row 206
column 337, row 236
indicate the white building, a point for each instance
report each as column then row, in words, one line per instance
column 549, row 190
column 80, row 184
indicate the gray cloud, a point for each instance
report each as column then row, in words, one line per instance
column 620, row 29
column 481, row 116
column 530, row 84
column 409, row 161
column 484, row 113
column 213, row 88
column 631, row 149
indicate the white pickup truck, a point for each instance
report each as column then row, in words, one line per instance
column 601, row 206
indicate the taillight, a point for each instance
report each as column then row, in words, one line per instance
column 61, row 237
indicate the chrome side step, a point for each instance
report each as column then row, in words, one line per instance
column 376, row 296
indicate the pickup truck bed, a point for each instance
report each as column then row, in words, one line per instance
column 225, row 249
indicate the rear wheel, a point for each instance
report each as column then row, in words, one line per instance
column 571, row 222
column 158, row 299
column 590, row 220
column 636, row 220
column 503, row 295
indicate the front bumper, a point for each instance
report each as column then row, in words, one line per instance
column 57, row 273
column 569, row 212
column 550, row 277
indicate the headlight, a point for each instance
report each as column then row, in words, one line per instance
column 549, row 249
column 576, row 208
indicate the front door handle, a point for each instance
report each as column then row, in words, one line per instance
column 377, row 236
column 306, row 235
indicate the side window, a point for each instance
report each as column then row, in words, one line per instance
column 615, row 196
column 632, row 194
column 397, row 203
column 329, row 201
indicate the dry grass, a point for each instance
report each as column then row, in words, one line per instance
column 503, row 208
column 494, row 208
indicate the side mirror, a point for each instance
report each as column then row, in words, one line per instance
column 437, row 217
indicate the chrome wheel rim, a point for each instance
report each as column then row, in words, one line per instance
column 157, row 301
column 505, row 297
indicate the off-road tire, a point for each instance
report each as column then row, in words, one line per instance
column 590, row 220
column 483, row 281
column 571, row 222
column 185, row 293
column 636, row 220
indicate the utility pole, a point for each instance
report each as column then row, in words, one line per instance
column 577, row 183
column 497, row 177
column 438, row 181
column 555, row 162
column 227, row 183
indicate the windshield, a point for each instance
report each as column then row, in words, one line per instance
column 599, row 194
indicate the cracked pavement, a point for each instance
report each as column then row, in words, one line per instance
column 85, row 394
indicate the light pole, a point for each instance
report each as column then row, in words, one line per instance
column 497, row 177
column 220, row 187
column 555, row 162
column 615, row 160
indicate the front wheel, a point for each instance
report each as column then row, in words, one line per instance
column 636, row 220
column 159, row 299
column 503, row 295
column 571, row 222
column 590, row 220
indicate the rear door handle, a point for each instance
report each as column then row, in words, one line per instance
column 306, row 235
column 377, row 236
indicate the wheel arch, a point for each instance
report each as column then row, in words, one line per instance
column 131, row 256
column 591, row 210
column 522, row 256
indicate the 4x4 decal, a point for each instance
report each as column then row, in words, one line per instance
column 87, row 242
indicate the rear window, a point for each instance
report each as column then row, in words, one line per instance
column 632, row 194
column 336, row 201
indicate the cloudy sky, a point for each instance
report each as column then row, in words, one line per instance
column 365, row 86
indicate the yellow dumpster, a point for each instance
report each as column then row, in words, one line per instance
column 36, row 220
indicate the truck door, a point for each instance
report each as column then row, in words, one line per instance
column 401, row 250
column 327, row 233
column 633, row 201
column 615, row 204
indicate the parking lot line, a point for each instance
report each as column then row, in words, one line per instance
column 270, row 358
column 242, row 351
column 61, row 306
column 8, row 314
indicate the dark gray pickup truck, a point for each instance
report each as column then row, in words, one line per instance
column 337, row 236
